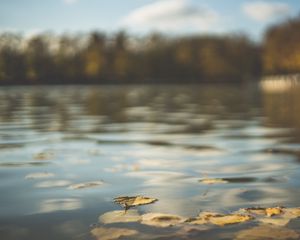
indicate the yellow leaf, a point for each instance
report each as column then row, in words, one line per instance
column 102, row 233
column 229, row 219
column 265, row 211
column 273, row 211
column 128, row 202
column 120, row 216
column 219, row 219
column 213, row 181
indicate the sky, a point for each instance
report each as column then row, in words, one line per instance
column 177, row 17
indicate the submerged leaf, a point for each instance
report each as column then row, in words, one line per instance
column 85, row 185
column 269, row 232
column 128, row 202
column 120, row 216
column 213, row 180
column 161, row 219
column 102, row 233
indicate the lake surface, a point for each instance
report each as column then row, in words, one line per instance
column 155, row 141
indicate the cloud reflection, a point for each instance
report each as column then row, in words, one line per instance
column 63, row 204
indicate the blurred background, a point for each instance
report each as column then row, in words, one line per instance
column 146, row 41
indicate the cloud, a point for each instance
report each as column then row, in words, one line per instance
column 170, row 15
column 69, row 2
column 266, row 11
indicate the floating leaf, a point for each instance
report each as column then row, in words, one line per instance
column 102, row 233
column 219, row 219
column 43, row 156
column 120, row 216
column 292, row 212
column 284, row 218
column 39, row 175
column 265, row 211
column 229, row 219
column 161, row 219
column 128, row 202
column 269, row 232
column 273, row 211
column 213, row 181
column 85, row 185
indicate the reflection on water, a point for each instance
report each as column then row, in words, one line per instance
column 152, row 141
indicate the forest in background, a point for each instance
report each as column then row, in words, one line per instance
column 97, row 58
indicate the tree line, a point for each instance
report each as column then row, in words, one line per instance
column 119, row 58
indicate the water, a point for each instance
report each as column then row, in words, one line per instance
column 143, row 140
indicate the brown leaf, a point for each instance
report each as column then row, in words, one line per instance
column 102, row 233
column 219, row 219
column 120, row 216
column 213, row 181
column 265, row 211
column 128, row 202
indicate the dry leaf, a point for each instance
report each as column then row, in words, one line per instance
column 213, row 181
column 120, row 216
column 219, row 219
column 102, row 233
column 265, row 232
column 229, row 219
column 128, row 202
column 85, row 185
column 43, row 156
column 293, row 212
column 161, row 219
column 264, row 211
column 273, row 211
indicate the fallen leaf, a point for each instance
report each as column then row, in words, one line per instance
column 219, row 219
column 102, row 233
column 128, row 202
column 161, row 219
column 43, row 156
column 293, row 212
column 255, row 210
column 213, row 180
column 39, row 175
column 273, row 211
column 120, row 216
column 265, row 211
column 265, row 232
column 229, row 219
column 85, row 185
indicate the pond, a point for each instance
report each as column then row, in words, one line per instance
column 161, row 142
